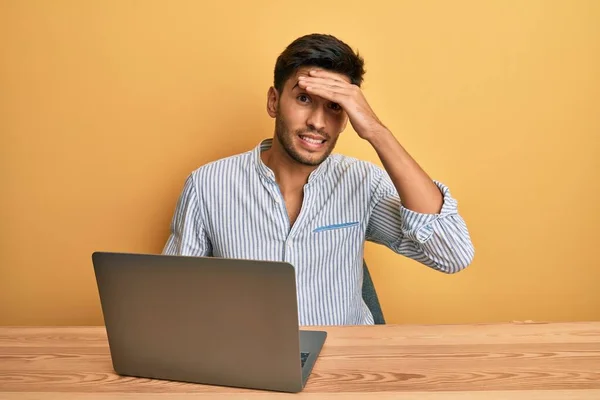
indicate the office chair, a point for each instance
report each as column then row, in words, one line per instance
column 370, row 296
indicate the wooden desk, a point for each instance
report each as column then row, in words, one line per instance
column 507, row 361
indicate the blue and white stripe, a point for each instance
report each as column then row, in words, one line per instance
column 233, row 208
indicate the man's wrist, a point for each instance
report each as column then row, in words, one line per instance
column 380, row 137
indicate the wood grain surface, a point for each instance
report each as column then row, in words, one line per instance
column 428, row 362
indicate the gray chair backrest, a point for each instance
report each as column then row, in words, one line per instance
column 370, row 296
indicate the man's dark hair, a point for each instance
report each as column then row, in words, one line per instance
column 318, row 50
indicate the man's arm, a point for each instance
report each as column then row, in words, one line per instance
column 187, row 236
column 416, row 189
column 412, row 214
column 438, row 240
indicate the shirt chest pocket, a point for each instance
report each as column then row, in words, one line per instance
column 337, row 238
column 337, row 227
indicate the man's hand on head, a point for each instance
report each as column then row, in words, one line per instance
column 349, row 96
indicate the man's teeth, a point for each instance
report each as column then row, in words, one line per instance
column 313, row 141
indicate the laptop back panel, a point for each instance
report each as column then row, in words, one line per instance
column 204, row 320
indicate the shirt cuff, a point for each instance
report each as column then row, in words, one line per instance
column 419, row 226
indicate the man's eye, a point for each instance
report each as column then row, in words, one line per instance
column 335, row 106
column 303, row 98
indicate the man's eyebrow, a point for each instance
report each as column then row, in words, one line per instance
column 296, row 85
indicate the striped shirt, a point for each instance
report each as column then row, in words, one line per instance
column 233, row 208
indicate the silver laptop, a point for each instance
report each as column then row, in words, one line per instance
column 205, row 320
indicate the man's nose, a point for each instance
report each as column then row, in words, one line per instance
column 316, row 120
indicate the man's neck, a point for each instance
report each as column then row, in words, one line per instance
column 291, row 176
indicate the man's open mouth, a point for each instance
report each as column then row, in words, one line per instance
column 312, row 140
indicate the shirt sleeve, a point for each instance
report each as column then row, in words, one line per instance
column 440, row 241
column 187, row 234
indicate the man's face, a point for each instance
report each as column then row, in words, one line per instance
column 307, row 126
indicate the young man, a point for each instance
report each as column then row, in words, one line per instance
column 289, row 199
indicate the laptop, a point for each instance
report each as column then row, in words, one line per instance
column 215, row 321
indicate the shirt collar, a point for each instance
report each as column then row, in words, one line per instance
column 266, row 172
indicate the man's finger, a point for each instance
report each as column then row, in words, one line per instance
column 324, row 93
column 324, row 81
column 325, row 86
column 336, row 95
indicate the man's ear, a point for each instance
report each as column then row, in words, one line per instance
column 272, row 101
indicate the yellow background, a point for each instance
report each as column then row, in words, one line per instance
column 106, row 107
